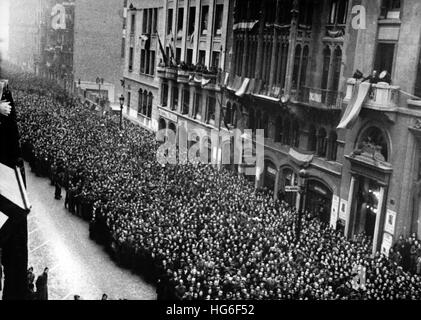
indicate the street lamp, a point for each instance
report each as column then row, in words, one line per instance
column 302, row 183
column 121, row 111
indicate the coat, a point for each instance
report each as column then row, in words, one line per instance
column 42, row 287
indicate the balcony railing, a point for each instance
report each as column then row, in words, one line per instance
column 319, row 98
column 381, row 96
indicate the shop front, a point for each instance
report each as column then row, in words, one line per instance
column 319, row 200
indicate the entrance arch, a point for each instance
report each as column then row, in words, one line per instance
column 319, row 199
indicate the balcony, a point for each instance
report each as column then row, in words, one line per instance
column 382, row 96
column 169, row 73
column 318, row 98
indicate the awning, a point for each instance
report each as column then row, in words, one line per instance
column 243, row 88
column 245, row 25
column 354, row 107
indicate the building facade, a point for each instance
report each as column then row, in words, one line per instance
column 142, row 31
column 296, row 59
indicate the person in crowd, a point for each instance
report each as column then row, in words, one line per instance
column 104, row 297
column 42, row 285
column 31, row 276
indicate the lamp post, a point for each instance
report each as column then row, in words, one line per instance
column 302, row 183
column 121, row 111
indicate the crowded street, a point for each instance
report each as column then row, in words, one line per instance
column 77, row 266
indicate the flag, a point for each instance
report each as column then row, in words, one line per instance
column 161, row 48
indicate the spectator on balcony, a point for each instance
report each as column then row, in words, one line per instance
column 358, row 75
column 385, row 77
column 373, row 78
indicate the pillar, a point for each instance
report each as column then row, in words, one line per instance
column 291, row 48
column 276, row 189
column 378, row 234
column 348, row 208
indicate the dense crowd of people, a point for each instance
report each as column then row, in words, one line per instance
column 199, row 232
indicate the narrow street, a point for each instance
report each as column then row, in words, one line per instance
column 60, row 241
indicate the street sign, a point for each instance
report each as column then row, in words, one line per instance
column 292, row 188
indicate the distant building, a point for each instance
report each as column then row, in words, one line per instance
column 97, row 46
column 24, row 33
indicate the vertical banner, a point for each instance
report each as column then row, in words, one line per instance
column 334, row 211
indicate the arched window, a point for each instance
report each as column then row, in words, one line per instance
column 287, row 132
column 139, row 102
column 279, row 129
column 295, row 134
column 321, row 143
column 145, row 102
column 150, row 104
column 312, row 138
column 326, row 63
column 333, row 146
column 374, row 140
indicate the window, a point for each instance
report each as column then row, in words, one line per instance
column 133, row 24
column 384, row 57
column 142, row 60
column 312, row 139
column 145, row 21
column 180, row 23
column 145, row 103
column 169, row 20
column 390, row 9
column 321, row 143
column 131, row 60
column 189, row 59
column 325, row 70
column 152, row 64
column 211, row 110
column 123, row 47
column 186, row 101
column 216, row 59
column 202, row 57
column 286, row 139
column 228, row 114
column 178, row 54
column 150, row 104
column 338, row 11
column 417, row 90
column 304, row 63
column 129, row 95
column 192, row 20
column 218, row 20
column 155, row 21
column 297, row 60
column 150, row 14
column 278, row 130
column 164, row 98
column 204, row 21
column 296, row 134
column 197, row 113
column 174, row 104
column 139, row 102
column 305, row 12
column 333, row 146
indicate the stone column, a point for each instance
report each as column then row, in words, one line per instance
column 349, row 204
column 378, row 233
column 291, row 48
column 276, row 189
